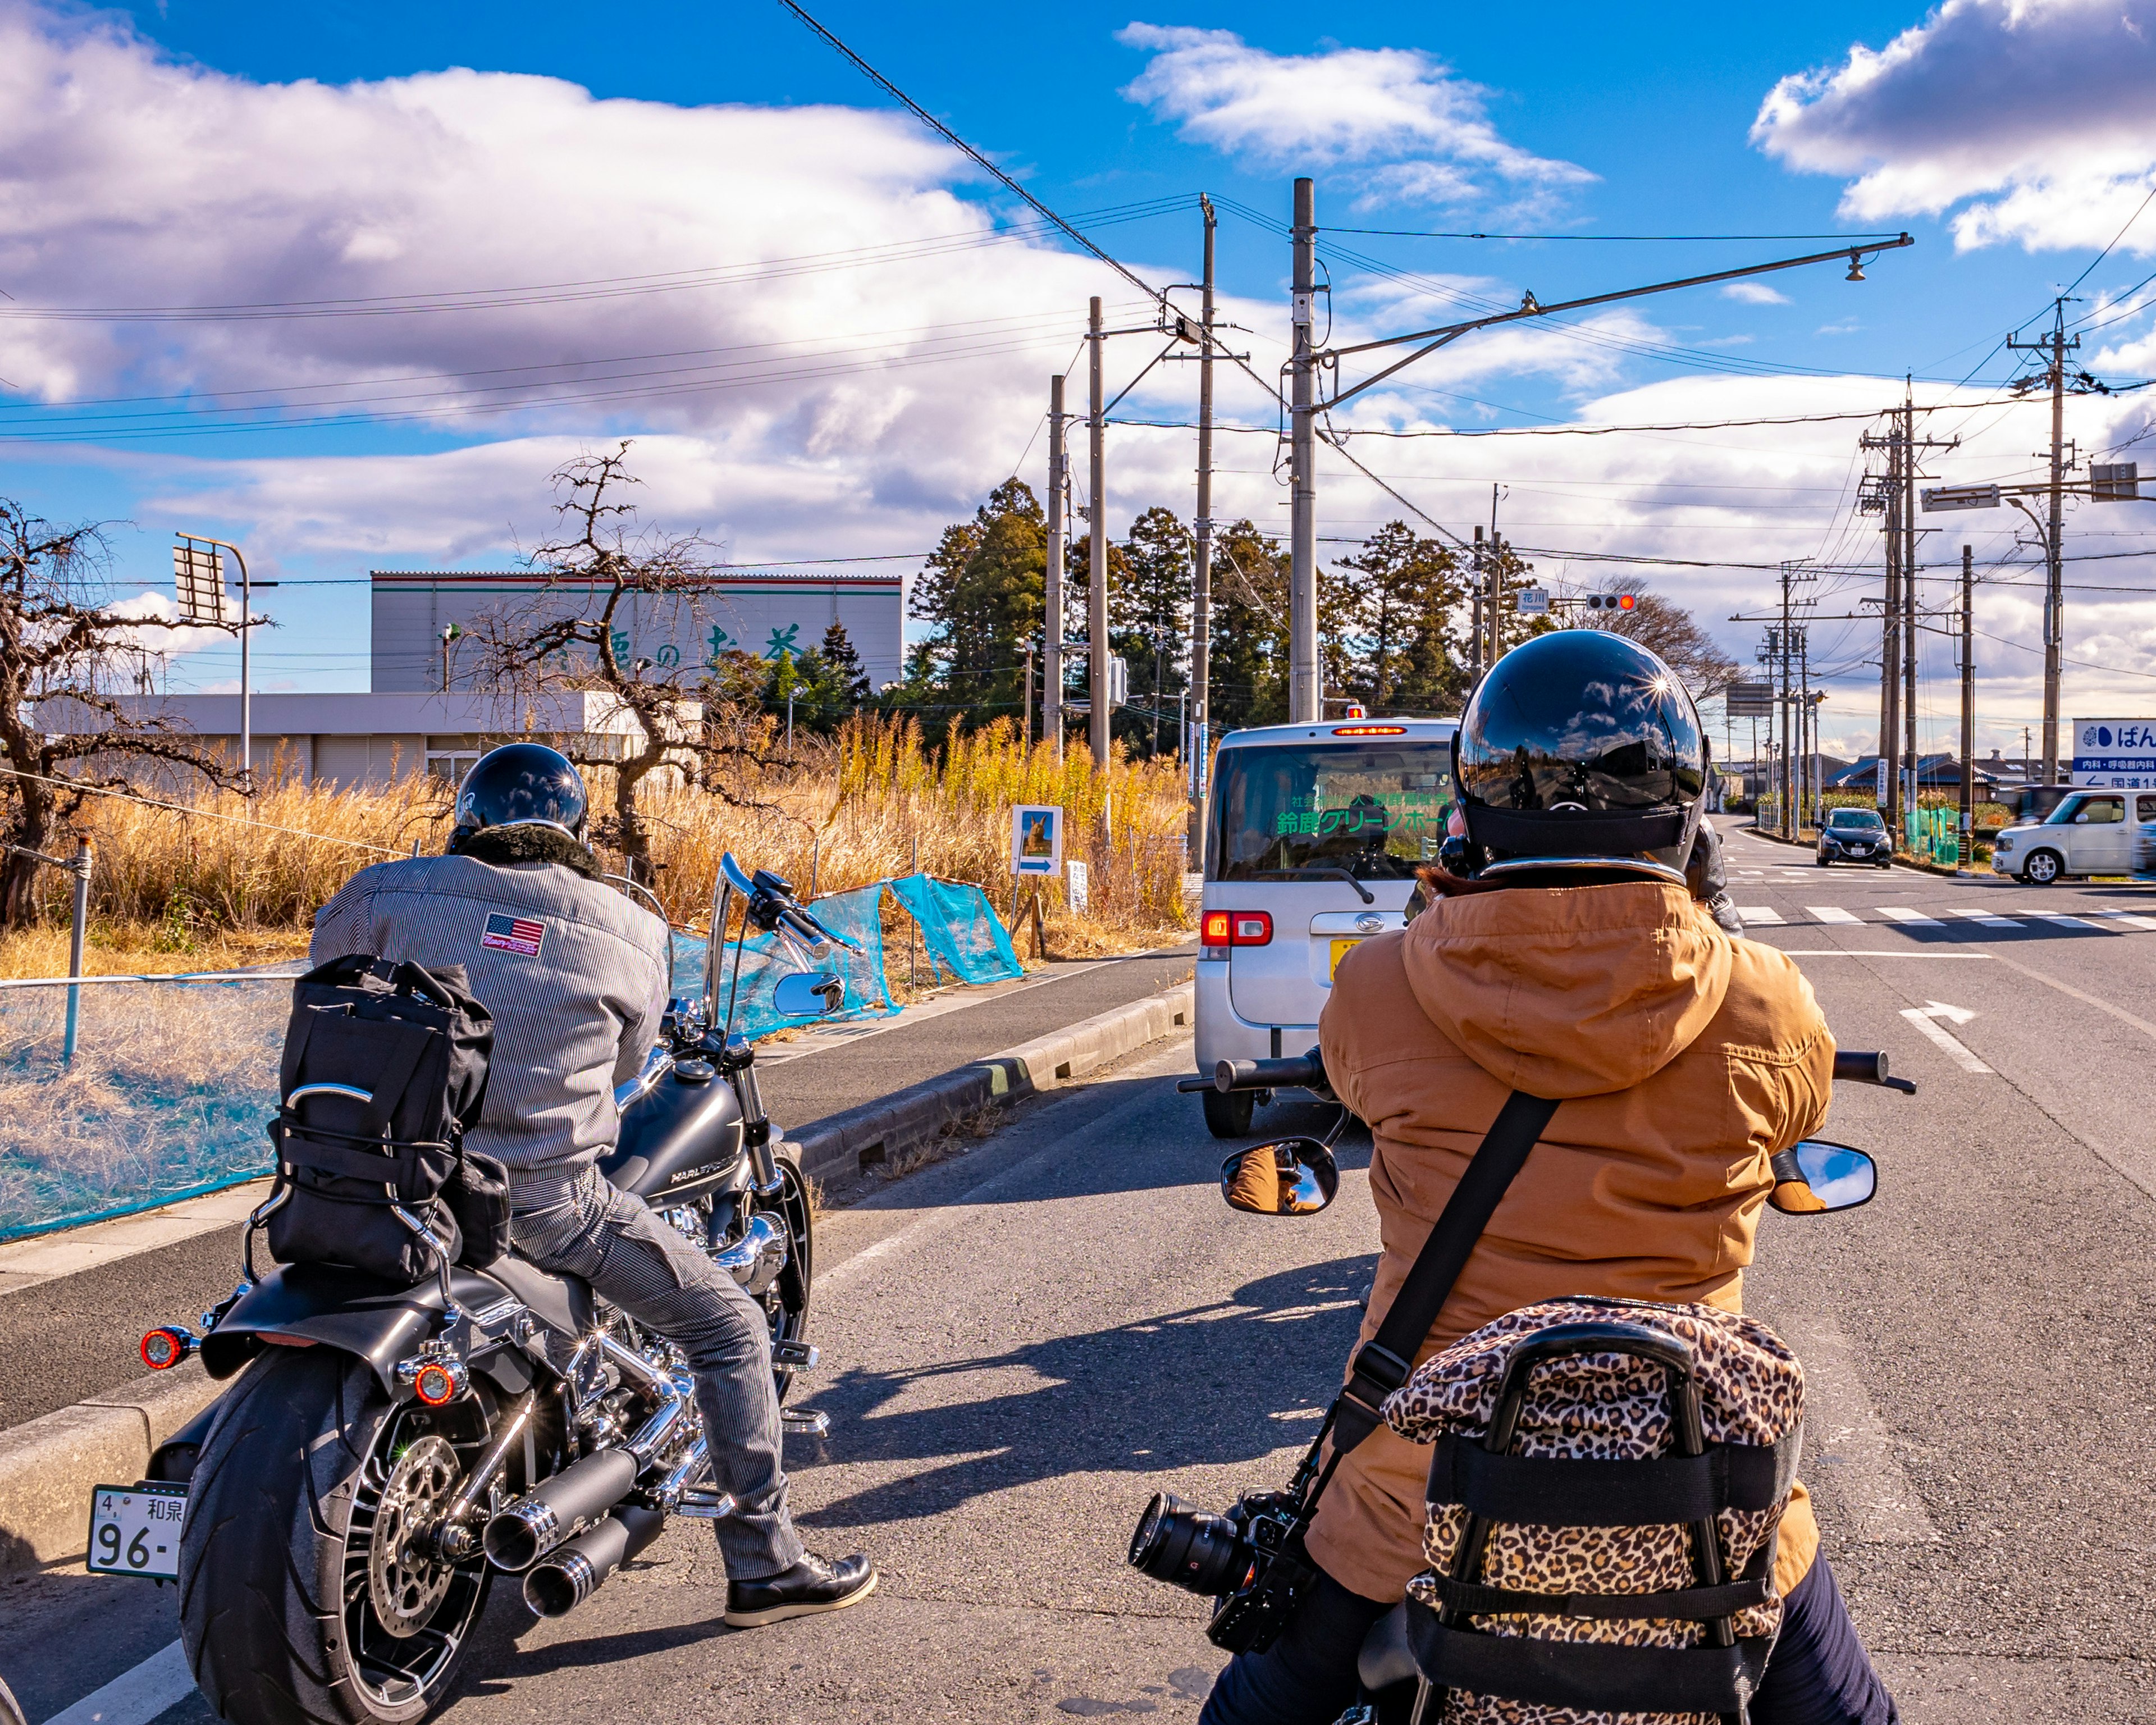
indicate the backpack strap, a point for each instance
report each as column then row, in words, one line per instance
column 1568, row 1492
column 1594, row 1677
column 1755, row 1586
column 1382, row 1364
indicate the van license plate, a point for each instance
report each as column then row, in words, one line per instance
column 135, row 1530
column 1339, row 951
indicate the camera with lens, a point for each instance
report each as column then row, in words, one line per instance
column 1250, row 1561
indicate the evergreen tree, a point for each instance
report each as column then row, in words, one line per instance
column 846, row 665
column 1246, row 658
column 1149, row 625
column 984, row 588
column 1402, row 599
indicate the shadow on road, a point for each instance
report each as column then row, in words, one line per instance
column 1192, row 1387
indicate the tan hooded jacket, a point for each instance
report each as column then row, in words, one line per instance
column 1684, row 1059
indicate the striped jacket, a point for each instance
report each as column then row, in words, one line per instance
column 575, row 974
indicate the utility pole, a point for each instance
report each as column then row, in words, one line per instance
column 1788, row 820
column 1909, row 637
column 1199, row 734
column 1475, row 664
column 1051, row 669
column 1493, row 600
column 1097, row 583
column 1968, row 850
column 2055, row 347
column 1025, row 703
column 1304, row 706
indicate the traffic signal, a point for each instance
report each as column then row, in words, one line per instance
column 1612, row 601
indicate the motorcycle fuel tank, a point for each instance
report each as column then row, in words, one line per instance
column 683, row 1137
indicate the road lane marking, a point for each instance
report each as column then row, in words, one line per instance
column 1760, row 914
column 1848, row 1446
column 1926, row 1019
column 1832, row 913
column 136, row 1698
column 2128, row 918
column 1908, row 918
column 2065, row 921
column 1990, row 919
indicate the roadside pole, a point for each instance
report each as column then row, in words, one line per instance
column 1097, row 582
column 81, row 867
column 1968, row 855
column 1051, row 670
column 1303, row 705
column 2055, row 348
column 1909, row 636
column 1198, row 733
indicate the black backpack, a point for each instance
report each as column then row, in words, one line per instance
column 385, row 1068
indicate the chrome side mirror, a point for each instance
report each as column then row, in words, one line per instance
column 1289, row 1177
column 809, row 995
column 1814, row 1176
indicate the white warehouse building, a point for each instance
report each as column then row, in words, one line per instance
column 765, row 615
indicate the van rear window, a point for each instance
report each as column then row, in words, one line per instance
column 1374, row 811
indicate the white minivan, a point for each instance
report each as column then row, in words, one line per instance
column 1313, row 833
column 2090, row 832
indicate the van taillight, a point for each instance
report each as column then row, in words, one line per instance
column 1236, row 928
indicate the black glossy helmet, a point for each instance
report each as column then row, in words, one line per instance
column 522, row 784
column 1580, row 749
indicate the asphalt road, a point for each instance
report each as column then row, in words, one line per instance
column 1024, row 1343
column 77, row 1336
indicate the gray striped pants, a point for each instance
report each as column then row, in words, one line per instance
column 594, row 1230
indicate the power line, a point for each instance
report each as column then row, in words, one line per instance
column 1418, row 233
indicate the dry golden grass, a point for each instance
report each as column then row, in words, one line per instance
column 227, row 884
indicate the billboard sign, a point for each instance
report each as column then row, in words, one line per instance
column 2117, row 754
column 1749, row 701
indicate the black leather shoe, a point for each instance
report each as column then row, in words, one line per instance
column 815, row 1583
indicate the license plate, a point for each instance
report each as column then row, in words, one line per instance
column 1340, row 949
column 135, row 1530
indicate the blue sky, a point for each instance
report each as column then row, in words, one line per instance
column 196, row 154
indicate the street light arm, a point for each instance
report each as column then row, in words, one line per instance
column 1444, row 333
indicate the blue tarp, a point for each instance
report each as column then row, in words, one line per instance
column 856, row 915
column 962, row 934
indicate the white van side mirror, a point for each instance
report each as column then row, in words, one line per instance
column 2080, row 820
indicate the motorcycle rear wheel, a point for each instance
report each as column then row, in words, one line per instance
column 787, row 1306
column 276, row 1612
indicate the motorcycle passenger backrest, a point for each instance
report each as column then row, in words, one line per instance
column 681, row 1139
column 561, row 1302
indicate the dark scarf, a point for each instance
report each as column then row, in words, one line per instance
column 504, row 846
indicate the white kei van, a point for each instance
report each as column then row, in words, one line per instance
column 1313, row 833
column 2091, row 832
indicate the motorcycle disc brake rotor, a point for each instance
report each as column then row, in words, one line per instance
column 405, row 1580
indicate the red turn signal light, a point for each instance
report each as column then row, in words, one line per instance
column 1369, row 731
column 439, row 1381
column 1236, row 928
column 164, row 1348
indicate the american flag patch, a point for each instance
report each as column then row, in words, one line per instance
column 513, row 934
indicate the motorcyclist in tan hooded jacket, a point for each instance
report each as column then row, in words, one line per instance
column 1565, row 955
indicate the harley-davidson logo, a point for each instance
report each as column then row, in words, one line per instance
column 692, row 1173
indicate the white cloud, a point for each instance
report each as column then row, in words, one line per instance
column 1753, row 293
column 2043, row 111
column 1394, row 106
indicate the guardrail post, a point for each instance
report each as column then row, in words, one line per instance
column 80, row 866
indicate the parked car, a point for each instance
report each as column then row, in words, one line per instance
column 2088, row 833
column 1312, row 837
column 1855, row 835
column 2032, row 804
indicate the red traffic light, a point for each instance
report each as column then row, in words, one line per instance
column 1626, row 601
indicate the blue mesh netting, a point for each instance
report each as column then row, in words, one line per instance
column 857, row 914
column 172, row 1082
column 167, row 1098
column 962, row 934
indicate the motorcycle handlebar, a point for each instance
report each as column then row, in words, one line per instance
column 1868, row 1066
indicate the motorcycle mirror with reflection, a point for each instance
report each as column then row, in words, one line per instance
column 809, row 995
column 1287, row 1176
column 1815, row 1178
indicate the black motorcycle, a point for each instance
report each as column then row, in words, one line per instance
column 343, row 1508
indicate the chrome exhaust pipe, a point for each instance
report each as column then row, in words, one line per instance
column 557, row 1508
column 570, row 1573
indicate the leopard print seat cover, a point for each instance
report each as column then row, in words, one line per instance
column 1604, row 1407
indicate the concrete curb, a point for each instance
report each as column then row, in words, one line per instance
column 47, row 1465
column 841, row 1145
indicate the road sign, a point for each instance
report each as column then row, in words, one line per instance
column 1938, row 497
column 1533, row 601
column 198, row 579
column 2114, row 482
column 1750, row 700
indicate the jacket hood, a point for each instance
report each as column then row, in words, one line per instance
column 1571, row 991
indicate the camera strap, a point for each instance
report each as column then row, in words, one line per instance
column 1382, row 1364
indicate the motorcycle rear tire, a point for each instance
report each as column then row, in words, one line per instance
column 266, row 1591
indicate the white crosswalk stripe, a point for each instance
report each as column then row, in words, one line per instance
column 2128, row 918
column 1908, row 918
column 1760, row 916
column 1990, row 919
column 1832, row 913
column 2064, row 920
